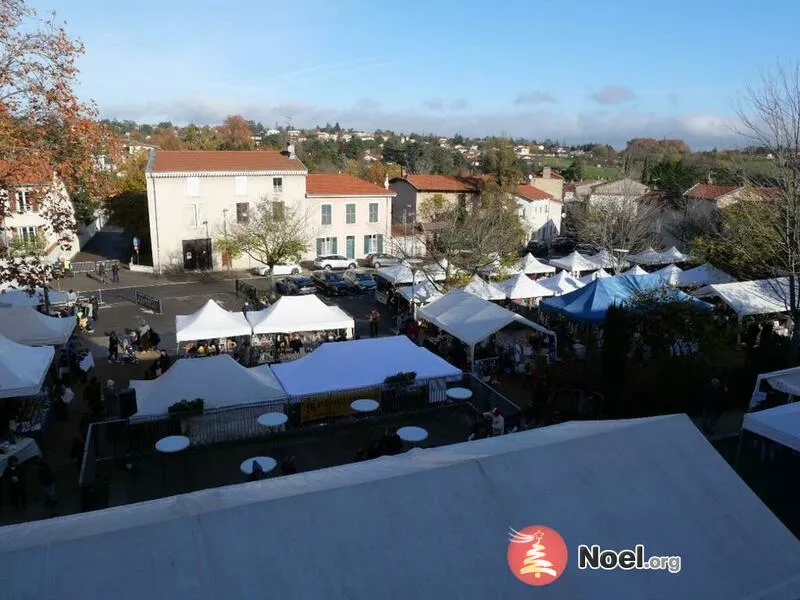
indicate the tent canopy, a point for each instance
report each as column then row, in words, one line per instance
column 747, row 298
column 563, row 283
column 423, row 292
column 482, row 289
column 780, row 424
column 471, row 319
column 522, row 287
column 590, row 304
column 22, row 368
column 649, row 257
column 401, row 274
column 291, row 314
column 358, row 364
column 636, row 270
column 258, row 539
column 588, row 278
column 786, row 381
column 219, row 380
column 674, row 255
column 607, row 260
column 211, row 322
column 705, row 274
column 670, row 274
column 13, row 297
column 575, row 263
column 27, row 326
column 529, row 265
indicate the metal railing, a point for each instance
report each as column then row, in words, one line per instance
column 90, row 266
column 147, row 301
column 247, row 291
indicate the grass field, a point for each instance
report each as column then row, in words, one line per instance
column 590, row 171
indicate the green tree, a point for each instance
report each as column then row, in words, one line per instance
column 418, row 157
column 393, row 151
column 673, row 177
column 575, row 171
column 442, row 161
column 500, row 162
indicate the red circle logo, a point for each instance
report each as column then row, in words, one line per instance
column 537, row 555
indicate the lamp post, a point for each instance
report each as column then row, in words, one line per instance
column 206, row 251
column 413, row 264
column 225, row 233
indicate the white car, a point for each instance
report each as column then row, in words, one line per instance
column 334, row 261
column 280, row 269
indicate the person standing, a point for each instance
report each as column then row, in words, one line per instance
column 374, row 319
column 111, row 400
column 15, row 479
column 712, row 409
column 101, row 271
column 48, row 480
column 113, row 347
column 115, row 273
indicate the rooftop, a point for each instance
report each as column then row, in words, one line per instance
column 441, row 183
column 708, row 191
column 530, row 192
column 196, row 161
column 342, row 184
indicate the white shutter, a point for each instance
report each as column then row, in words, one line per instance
column 241, row 185
column 192, row 186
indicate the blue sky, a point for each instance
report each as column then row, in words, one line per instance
column 577, row 71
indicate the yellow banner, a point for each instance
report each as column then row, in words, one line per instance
column 334, row 405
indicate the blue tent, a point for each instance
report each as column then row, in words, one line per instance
column 590, row 303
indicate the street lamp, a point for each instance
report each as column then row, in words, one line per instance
column 206, row 251
column 225, row 233
column 413, row 264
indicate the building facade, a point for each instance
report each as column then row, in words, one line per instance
column 539, row 212
column 194, row 197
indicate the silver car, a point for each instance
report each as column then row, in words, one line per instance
column 376, row 260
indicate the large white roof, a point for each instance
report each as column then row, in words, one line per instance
column 22, row 368
column 574, row 263
column 431, row 524
column 780, row 424
column 745, row 298
column 483, row 289
column 521, row 287
column 423, row 292
column 562, row 283
column 705, row 274
column 211, row 322
column 292, row 314
column 529, row 265
column 25, row 325
column 219, row 380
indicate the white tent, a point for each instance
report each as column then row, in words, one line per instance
column 219, row 380
column 292, row 314
column 402, row 274
column 529, row 265
column 705, row 274
column 746, row 298
column 472, row 319
column 648, row 257
column 607, row 260
column 359, row 364
column 786, row 381
column 22, row 368
column 211, row 322
column 423, row 292
column 636, row 270
column 27, row 326
column 23, row 298
column 563, row 283
column 780, row 424
column 671, row 274
column 482, row 289
column 575, row 263
column 673, row 255
column 395, row 527
column 522, row 287
column 590, row 277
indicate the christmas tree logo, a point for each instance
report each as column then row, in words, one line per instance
column 537, row 555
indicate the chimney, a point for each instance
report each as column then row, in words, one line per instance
column 386, row 182
column 290, row 151
column 546, row 173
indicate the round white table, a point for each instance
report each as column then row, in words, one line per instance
column 172, row 444
column 272, row 419
column 459, row 393
column 412, row 434
column 365, row 406
column 267, row 464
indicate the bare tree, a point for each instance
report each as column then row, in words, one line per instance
column 625, row 220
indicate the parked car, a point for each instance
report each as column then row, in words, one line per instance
column 334, row 261
column 360, row 281
column 331, row 284
column 296, row 285
column 376, row 260
column 284, row 268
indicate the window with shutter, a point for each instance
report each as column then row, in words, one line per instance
column 350, row 213
column 325, row 212
column 373, row 212
column 23, row 201
column 380, row 243
column 242, row 212
column 277, row 185
column 241, row 185
column 367, row 244
column 320, row 246
column 192, row 186
column 334, row 246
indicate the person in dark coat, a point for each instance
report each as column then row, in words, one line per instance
column 15, row 481
column 712, row 409
column 390, row 443
column 289, row 466
column 113, row 346
column 47, row 478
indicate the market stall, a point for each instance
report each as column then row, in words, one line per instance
column 27, row 326
column 636, row 270
column 588, row 278
column 705, row 274
column 607, row 260
column 20, row 297
column 213, row 323
column 750, row 298
column 648, row 257
column 574, row 263
column 529, row 265
column 483, row 289
column 522, row 287
column 563, row 283
column 670, row 274
column 23, row 368
column 421, row 293
column 673, row 255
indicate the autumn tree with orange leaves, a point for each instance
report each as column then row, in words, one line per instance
column 47, row 136
column 235, row 134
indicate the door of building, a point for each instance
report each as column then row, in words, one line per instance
column 351, row 246
column 197, row 254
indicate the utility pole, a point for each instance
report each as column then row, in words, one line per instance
column 225, row 233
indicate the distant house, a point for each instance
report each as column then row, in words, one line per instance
column 539, row 211
column 413, row 190
column 619, row 191
column 132, row 147
column 550, row 182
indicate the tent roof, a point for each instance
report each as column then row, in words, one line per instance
column 401, row 274
column 529, row 265
column 211, row 322
column 674, row 255
column 424, row 292
column 606, row 259
column 357, row 364
column 482, row 289
column 22, row 368
column 746, row 298
column 590, row 304
column 471, row 319
column 780, row 424
column 292, row 314
column 574, row 262
column 522, row 286
column 589, row 277
column 649, row 257
column 22, row 298
column 786, row 380
column 705, row 274
column 562, row 283
column 219, row 380
column 395, row 526
column 25, row 325
column 669, row 274
column 636, row 270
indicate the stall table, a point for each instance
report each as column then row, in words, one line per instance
column 24, row 449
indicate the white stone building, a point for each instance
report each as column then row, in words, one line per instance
column 193, row 198
column 539, row 212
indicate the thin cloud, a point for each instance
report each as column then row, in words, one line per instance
column 434, row 104
column 534, row 97
column 673, row 99
column 459, row 104
column 613, row 94
column 439, row 104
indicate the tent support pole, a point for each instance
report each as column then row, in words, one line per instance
column 738, row 450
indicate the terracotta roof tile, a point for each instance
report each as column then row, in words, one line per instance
column 442, row 183
column 342, row 184
column 707, row 191
column 530, row 192
column 193, row 161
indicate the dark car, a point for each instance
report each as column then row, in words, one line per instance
column 360, row 281
column 330, row 283
column 296, row 285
